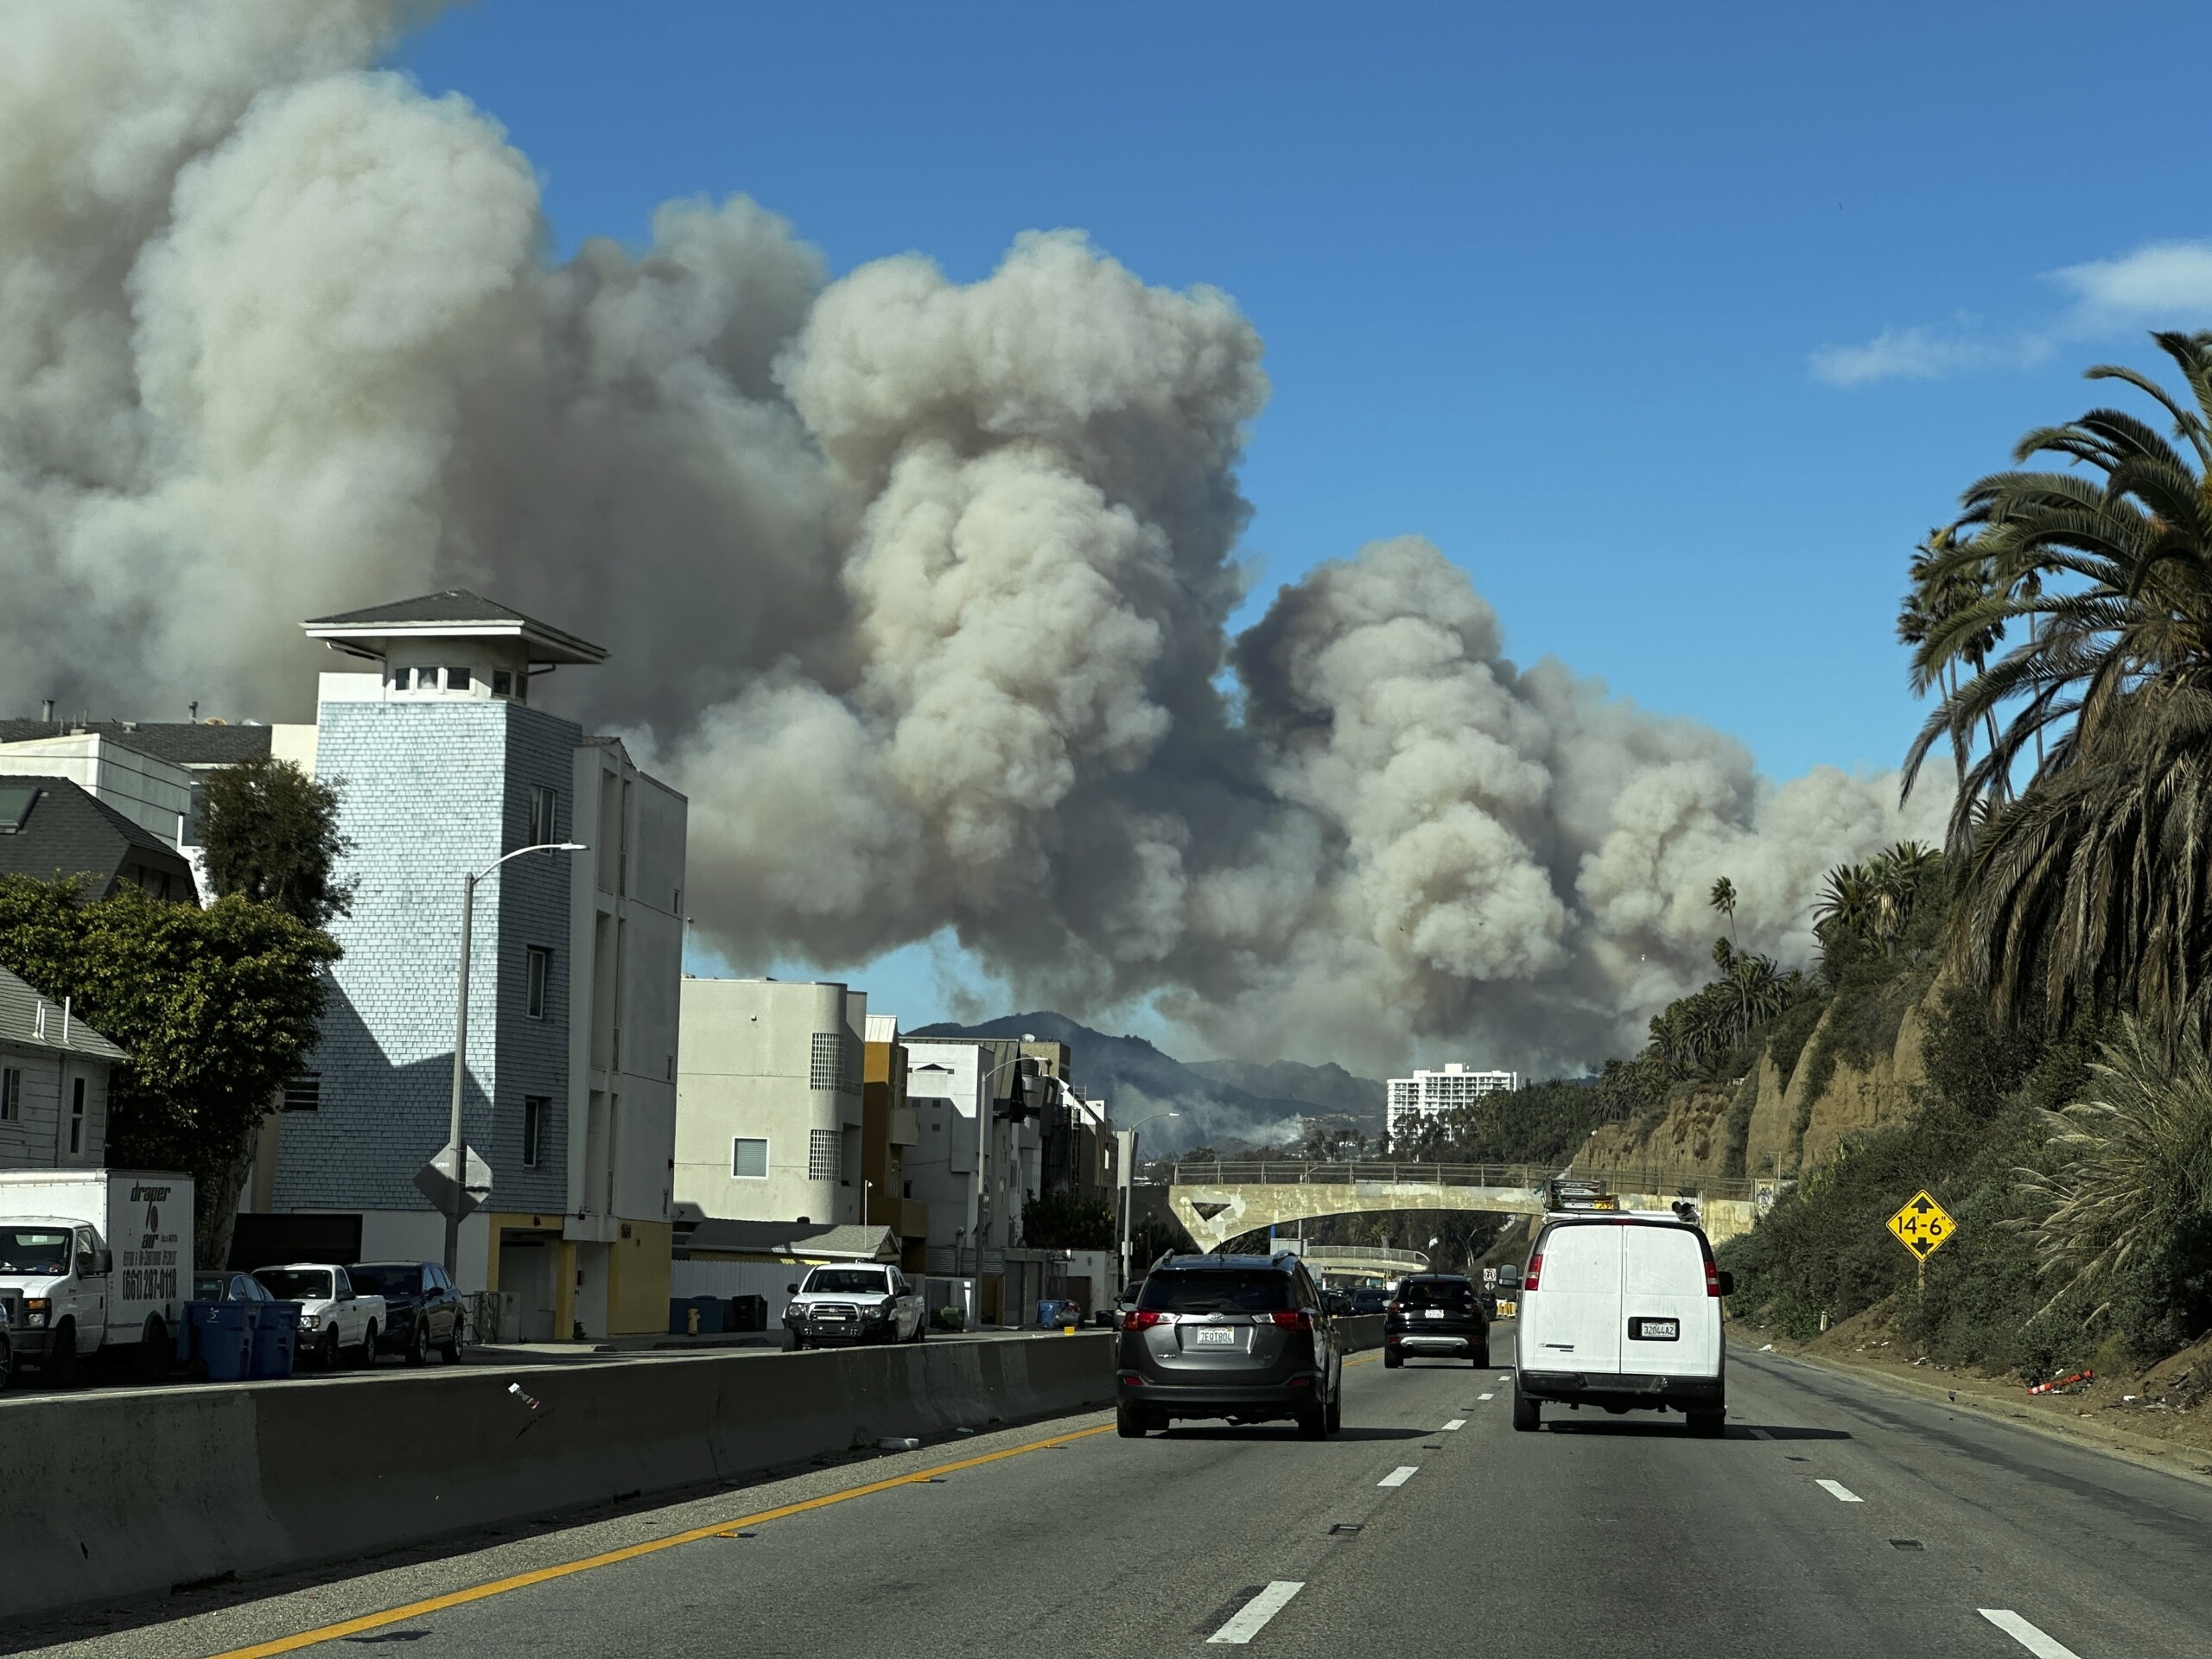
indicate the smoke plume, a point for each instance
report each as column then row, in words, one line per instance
column 921, row 590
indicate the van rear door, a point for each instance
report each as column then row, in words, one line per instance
column 1574, row 1314
column 1672, row 1326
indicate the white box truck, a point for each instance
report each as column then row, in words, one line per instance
column 94, row 1261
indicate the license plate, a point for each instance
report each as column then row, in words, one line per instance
column 1654, row 1330
column 1213, row 1337
column 1434, row 1313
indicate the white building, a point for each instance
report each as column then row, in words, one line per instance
column 768, row 1101
column 1427, row 1095
column 443, row 767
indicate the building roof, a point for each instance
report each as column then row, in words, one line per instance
column 808, row 1240
column 20, row 1024
column 883, row 1028
column 53, row 827
column 182, row 743
column 456, row 613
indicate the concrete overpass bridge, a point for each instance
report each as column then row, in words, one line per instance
column 1215, row 1202
column 1333, row 1263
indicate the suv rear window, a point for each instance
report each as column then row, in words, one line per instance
column 1219, row 1291
column 1435, row 1292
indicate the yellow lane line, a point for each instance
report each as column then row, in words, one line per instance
column 629, row 1553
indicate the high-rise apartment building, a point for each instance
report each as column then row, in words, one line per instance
column 1426, row 1095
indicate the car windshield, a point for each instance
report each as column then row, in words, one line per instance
column 296, row 1284
column 1216, row 1291
column 851, row 1280
column 34, row 1249
column 385, row 1281
column 1436, row 1292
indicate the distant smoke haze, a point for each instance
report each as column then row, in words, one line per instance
column 921, row 590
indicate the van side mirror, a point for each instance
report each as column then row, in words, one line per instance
column 1727, row 1283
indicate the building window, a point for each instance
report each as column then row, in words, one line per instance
column 834, row 1063
column 11, row 1095
column 748, row 1160
column 535, row 1110
column 541, row 804
column 304, row 1093
column 822, row 1161
column 541, row 971
column 503, row 682
column 77, row 1118
column 457, row 679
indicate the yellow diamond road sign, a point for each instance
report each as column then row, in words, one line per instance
column 1921, row 1226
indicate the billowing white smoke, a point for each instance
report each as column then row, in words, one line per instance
column 921, row 590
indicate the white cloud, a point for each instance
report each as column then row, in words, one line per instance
column 2169, row 283
column 2161, row 284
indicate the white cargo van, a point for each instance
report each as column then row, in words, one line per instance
column 94, row 1260
column 1621, row 1311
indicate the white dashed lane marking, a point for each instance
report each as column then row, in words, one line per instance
column 1457, row 1422
column 1485, row 1396
column 1248, row 1621
column 1841, row 1493
column 2026, row 1634
column 1761, row 1434
column 1400, row 1475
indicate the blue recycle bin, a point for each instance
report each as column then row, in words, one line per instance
column 1058, row 1310
column 216, row 1340
column 275, row 1340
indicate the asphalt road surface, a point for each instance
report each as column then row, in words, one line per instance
column 1835, row 1518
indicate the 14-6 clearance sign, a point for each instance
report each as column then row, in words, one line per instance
column 1921, row 1226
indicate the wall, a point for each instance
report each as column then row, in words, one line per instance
column 139, row 1491
column 746, row 1067
column 155, row 795
column 38, row 1137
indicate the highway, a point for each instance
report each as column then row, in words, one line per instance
column 1835, row 1518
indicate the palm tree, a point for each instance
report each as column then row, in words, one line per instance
column 2134, row 1163
column 2093, row 887
column 1723, row 900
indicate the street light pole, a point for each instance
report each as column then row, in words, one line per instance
column 460, row 1171
column 1128, row 1138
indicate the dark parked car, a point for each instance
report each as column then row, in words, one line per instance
column 1247, row 1337
column 1369, row 1298
column 1435, row 1315
column 422, row 1310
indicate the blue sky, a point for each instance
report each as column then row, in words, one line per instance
column 1676, row 327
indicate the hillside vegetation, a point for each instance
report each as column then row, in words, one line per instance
column 2019, row 1022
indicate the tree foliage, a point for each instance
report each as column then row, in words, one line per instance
column 1065, row 1221
column 216, row 1008
column 271, row 833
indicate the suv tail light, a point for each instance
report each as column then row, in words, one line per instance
column 1143, row 1318
column 1294, row 1320
column 1712, row 1277
column 1535, row 1266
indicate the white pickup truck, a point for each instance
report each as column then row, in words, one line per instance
column 94, row 1261
column 334, row 1319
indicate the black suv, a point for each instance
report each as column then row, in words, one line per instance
column 1247, row 1337
column 1435, row 1313
column 421, row 1310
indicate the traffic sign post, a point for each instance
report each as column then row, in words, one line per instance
column 1923, row 1227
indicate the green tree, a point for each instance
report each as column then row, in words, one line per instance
column 271, row 833
column 1723, row 900
column 1065, row 1221
column 2086, row 891
column 216, row 1008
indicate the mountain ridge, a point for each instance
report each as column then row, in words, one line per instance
column 1220, row 1100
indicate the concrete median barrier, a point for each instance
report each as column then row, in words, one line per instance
column 118, row 1494
column 1361, row 1331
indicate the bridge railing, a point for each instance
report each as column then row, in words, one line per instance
column 1296, row 1172
column 1322, row 1255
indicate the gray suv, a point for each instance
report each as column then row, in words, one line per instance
column 1247, row 1337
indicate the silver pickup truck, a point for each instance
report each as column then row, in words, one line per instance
column 334, row 1319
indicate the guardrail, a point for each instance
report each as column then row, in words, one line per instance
column 1295, row 1172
